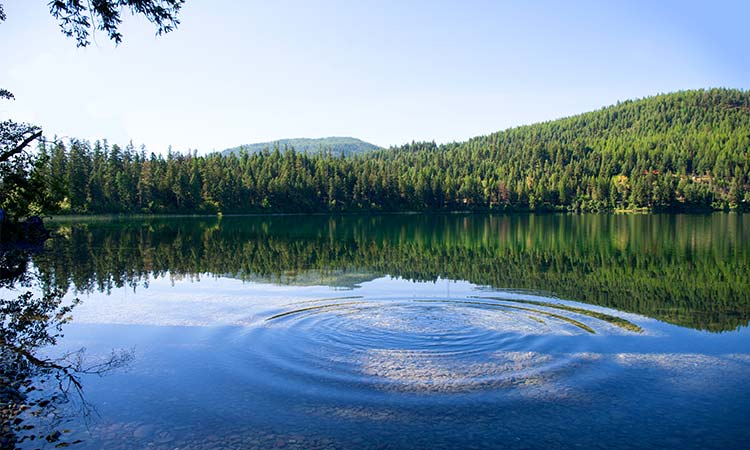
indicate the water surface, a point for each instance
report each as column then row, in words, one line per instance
column 465, row 331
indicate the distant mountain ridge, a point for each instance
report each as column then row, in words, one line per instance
column 338, row 146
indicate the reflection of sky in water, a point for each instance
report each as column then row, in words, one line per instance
column 375, row 360
column 210, row 302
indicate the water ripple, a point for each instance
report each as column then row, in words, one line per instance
column 434, row 345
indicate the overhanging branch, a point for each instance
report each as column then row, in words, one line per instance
column 7, row 155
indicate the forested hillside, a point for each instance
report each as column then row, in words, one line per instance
column 336, row 146
column 686, row 150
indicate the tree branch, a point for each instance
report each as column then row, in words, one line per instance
column 7, row 155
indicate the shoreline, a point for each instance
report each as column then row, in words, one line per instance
column 616, row 212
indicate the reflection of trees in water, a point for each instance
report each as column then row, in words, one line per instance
column 689, row 270
column 33, row 385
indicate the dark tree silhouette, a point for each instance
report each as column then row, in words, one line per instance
column 18, row 187
column 78, row 19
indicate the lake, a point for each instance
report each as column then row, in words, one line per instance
column 402, row 331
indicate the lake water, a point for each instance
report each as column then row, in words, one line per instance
column 406, row 331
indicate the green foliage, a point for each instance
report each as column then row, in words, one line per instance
column 23, row 191
column 685, row 151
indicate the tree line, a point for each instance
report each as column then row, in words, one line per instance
column 687, row 150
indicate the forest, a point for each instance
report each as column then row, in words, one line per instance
column 687, row 150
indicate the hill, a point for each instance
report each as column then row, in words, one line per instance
column 338, row 146
column 687, row 150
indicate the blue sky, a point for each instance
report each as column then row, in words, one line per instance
column 384, row 71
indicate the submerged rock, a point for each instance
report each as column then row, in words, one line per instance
column 143, row 431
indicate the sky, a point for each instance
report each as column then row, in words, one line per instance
column 388, row 72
